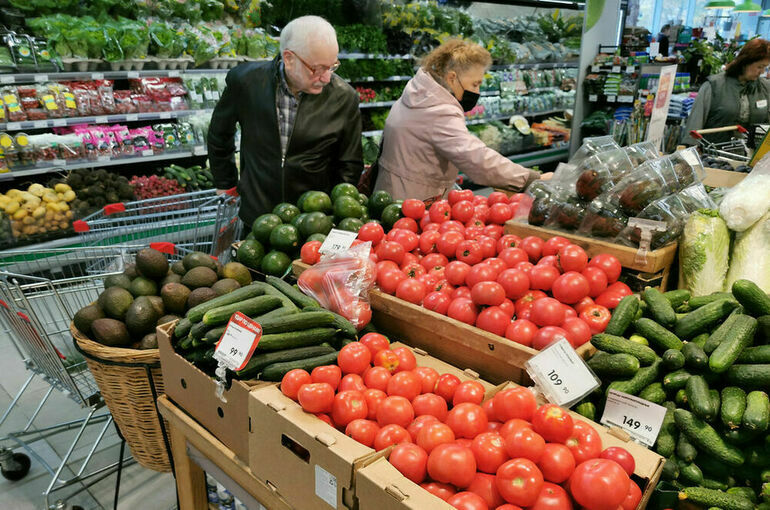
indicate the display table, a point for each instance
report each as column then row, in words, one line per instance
column 197, row 452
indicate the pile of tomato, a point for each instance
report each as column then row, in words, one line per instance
column 503, row 453
column 453, row 258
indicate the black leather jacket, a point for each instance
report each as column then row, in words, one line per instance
column 324, row 148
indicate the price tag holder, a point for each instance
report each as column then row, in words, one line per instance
column 611, row 99
column 59, row 162
column 12, row 126
column 595, row 69
column 593, row 98
column 97, row 76
column 173, row 74
column 199, row 150
column 59, row 122
column 132, row 117
column 147, row 152
column 337, row 240
column 630, row 69
column 561, row 374
column 615, row 69
column 7, row 79
column 39, row 78
column 102, row 159
column 238, row 342
column 132, row 75
column 164, row 115
column 102, row 119
column 640, row 418
column 40, row 124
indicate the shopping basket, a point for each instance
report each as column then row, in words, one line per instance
column 735, row 149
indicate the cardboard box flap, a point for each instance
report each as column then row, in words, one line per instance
column 379, row 485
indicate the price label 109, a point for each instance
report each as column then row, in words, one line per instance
column 561, row 374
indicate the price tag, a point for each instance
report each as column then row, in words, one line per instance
column 595, row 69
column 59, row 122
column 238, row 342
column 626, row 99
column 611, row 99
column 640, row 418
column 615, row 69
column 102, row 119
column 102, row 159
column 173, row 74
column 59, row 162
column 40, row 77
column 164, row 115
column 97, row 76
column 40, row 124
column 369, row 78
column 199, row 150
column 132, row 74
column 7, row 79
column 147, row 152
column 560, row 374
column 337, row 240
column 630, row 69
column 593, row 98
column 13, row 126
column 131, row 117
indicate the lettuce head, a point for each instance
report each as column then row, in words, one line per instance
column 704, row 251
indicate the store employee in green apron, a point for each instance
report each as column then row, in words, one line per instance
column 739, row 95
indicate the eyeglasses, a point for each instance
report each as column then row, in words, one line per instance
column 318, row 70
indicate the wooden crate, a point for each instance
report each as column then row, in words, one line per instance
column 717, row 178
column 496, row 359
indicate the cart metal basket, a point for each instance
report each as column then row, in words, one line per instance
column 735, row 149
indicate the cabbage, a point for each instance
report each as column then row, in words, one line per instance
column 703, row 253
column 751, row 255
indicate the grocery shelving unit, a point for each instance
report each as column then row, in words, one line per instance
column 100, row 119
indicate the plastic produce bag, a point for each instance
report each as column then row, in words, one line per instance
column 641, row 152
column 748, row 200
column 703, row 253
column 751, row 256
column 341, row 281
column 597, row 173
column 593, row 145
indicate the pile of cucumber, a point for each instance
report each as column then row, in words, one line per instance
column 296, row 331
column 707, row 360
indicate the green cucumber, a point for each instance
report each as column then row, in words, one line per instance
column 185, row 343
column 700, row 340
column 276, row 371
column 622, row 316
column 677, row 297
column 198, row 331
column 703, row 319
column 706, row 439
column 272, row 291
column 344, row 325
column 733, row 406
column 757, row 415
column 293, row 339
column 699, row 399
column 713, row 498
column 739, row 437
column 740, row 337
column 681, row 398
column 250, row 307
column 278, row 312
column 714, row 484
column 700, row 301
column 260, row 361
column 665, row 444
column 614, row 365
column 617, row 345
column 676, row 380
column 670, row 470
column 214, row 334
column 689, row 473
column 753, row 299
column 296, row 321
column 296, row 295
column 685, row 450
column 749, row 376
column 183, row 328
column 694, row 357
column 659, row 307
column 763, row 329
column 653, row 393
column 759, row 354
column 643, row 378
column 716, row 401
column 195, row 314
column 746, row 492
column 672, row 359
column 722, row 332
column 587, row 409
column 657, row 334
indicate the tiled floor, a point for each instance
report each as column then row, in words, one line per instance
column 140, row 488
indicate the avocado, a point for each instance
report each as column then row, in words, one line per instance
column 141, row 317
column 151, row 263
column 225, row 286
column 167, row 318
column 149, row 341
column 118, row 280
column 178, row 268
column 85, row 316
column 199, row 277
column 237, row 272
column 142, row 286
column 171, row 278
column 197, row 259
column 200, row 295
column 175, row 297
column 157, row 303
column 115, row 302
column 110, row 332
column 131, row 271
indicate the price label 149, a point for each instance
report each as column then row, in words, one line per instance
column 641, row 418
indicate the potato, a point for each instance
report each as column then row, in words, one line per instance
column 27, row 220
column 50, row 197
column 63, row 225
column 12, row 207
column 37, row 189
column 19, row 214
column 49, row 214
column 13, row 193
column 69, row 215
column 69, row 195
column 62, row 188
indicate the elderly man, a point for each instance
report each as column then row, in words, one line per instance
column 300, row 123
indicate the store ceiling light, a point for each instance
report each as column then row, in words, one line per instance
column 720, row 4
column 748, row 6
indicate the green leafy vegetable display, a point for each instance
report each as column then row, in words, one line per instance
column 704, row 252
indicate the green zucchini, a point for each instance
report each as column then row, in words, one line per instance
column 694, row 357
column 622, row 316
column 703, row 319
column 296, row 321
column 677, row 297
column 660, row 308
column 260, row 361
column 706, row 439
column 293, row 339
column 700, row 301
column 699, row 399
column 740, row 337
column 749, row 376
column 195, row 314
column 614, row 365
column 653, row 393
column 685, row 450
column 676, row 380
column 733, row 406
column 700, row 340
column 183, row 328
column 753, row 299
column 757, row 415
column 657, row 334
column 672, row 359
column 722, row 332
column 587, row 409
column 250, row 307
column 643, row 378
column 759, row 354
column 296, row 295
column 276, row 371
column 617, row 345
column 713, row 498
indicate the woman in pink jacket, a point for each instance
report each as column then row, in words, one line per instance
column 426, row 141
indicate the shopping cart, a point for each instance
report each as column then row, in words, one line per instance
column 40, row 292
column 735, row 149
column 199, row 221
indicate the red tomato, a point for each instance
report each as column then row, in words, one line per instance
column 622, row 457
column 434, row 434
column 547, row 312
column 374, row 398
column 515, row 283
column 524, row 304
column 546, row 335
column 456, row 195
column 407, row 224
column 406, row 238
column 467, row 500
column 390, row 250
column 463, row 310
column 498, row 264
column 293, row 381
column 553, row 423
column 440, row 211
column 525, row 443
column 413, row 208
column 388, row 359
column 524, row 266
column 497, row 197
column 451, row 463
column 480, row 200
column 633, row 497
column 375, row 342
column 552, row 497
column 468, row 391
column 395, row 409
column 508, row 241
column 462, row 210
column 493, row 319
column 508, row 307
column 609, row 299
column 409, row 258
column 474, row 231
column 521, row 331
column 406, row 359
column 584, row 442
column 405, row 384
column 554, row 244
column 609, row 264
column 352, row 382
column 484, row 485
column 578, row 332
column 488, row 293
column 389, row 279
column 354, row 358
column 316, row 397
column 597, row 280
column 451, row 225
column 493, row 426
column 495, row 232
column 519, row 482
column 411, row 290
column 362, row 431
column 456, row 272
column 309, row 253
column 621, row 288
column 467, row 420
column 548, row 260
column 599, row 484
column 446, row 385
column 429, row 242
column 419, row 423
column 500, row 213
column 330, row 374
column 518, row 402
column 489, row 410
column 433, row 260
column 410, row 460
column 513, row 256
column 512, row 425
column 377, row 378
column 571, row 287
column 430, row 404
column 533, row 246
column 324, row 418
column 543, row 277
column 447, row 243
column 371, row 231
column 557, row 463
column 429, row 281
column 488, row 246
column 413, row 270
column 469, row 252
column 390, row 435
column 437, row 302
column 386, row 265
column 481, row 212
column 348, row 406
column 582, row 304
column 597, row 317
column 489, row 450
column 440, row 490
column 508, row 506
column 572, row 258
column 428, row 376
column 480, row 273
column 427, row 226
column 569, row 312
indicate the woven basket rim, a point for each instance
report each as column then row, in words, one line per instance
column 117, row 354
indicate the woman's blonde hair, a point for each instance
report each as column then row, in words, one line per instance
column 455, row 55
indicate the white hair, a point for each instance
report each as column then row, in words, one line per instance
column 299, row 33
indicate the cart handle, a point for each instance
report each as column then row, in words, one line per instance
column 696, row 133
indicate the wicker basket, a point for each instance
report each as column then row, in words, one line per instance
column 130, row 381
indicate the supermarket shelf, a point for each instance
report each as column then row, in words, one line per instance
column 100, row 119
column 541, row 157
column 613, row 68
column 373, row 79
column 370, row 56
column 537, row 65
column 490, row 118
column 56, row 165
column 604, row 98
column 6, row 79
column 378, row 104
column 535, row 90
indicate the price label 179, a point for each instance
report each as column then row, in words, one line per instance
column 337, row 240
column 640, row 418
column 561, row 374
column 238, row 342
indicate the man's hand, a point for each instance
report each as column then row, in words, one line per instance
column 546, row 176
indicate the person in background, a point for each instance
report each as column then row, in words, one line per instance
column 663, row 41
column 426, row 142
column 300, row 122
column 737, row 96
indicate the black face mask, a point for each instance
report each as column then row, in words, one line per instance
column 469, row 98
